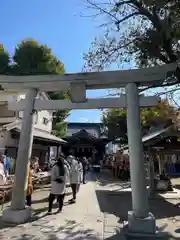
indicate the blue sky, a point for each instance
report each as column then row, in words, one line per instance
column 60, row 25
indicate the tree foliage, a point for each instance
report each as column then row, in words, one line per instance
column 115, row 119
column 32, row 58
column 141, row 32
column 144, row 31
column 4, row 60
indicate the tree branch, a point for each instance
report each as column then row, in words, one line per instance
column 127, row 17
column 101, row 9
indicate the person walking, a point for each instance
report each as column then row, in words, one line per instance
column 29, row 187
column 80, row 170
column 85, row 168
column 75, row 176
column 58, row 184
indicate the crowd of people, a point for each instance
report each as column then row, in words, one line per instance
column 71, row 169
column 119, row 164
column 7, row 167
column 64, row 170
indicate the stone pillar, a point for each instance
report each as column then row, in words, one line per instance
column 57, row 151
column 152, row 187
column 18, row 213
column 160, row 164
column 48, row 155
column 139, row 220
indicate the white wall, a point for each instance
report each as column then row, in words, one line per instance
column 3, row 139
column 39, row 122
column 40, row 117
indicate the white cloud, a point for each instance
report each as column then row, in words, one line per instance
column 83, row 119
column 86, row 120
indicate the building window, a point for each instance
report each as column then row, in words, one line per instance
column 45, row 121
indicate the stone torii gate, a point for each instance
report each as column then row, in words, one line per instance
column 139, row 219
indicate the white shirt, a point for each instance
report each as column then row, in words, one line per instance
column 76, row 172
column 174, row 159
column 58, row 188
column 2, row 173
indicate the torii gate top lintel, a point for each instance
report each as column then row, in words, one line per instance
column 91, row 80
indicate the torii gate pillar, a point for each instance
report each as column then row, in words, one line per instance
column 139, row 219
column 18, row 213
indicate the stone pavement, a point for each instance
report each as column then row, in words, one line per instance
column 99, row 213
column 82, row 220
column 166, row 207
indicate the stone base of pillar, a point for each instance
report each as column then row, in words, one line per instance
column 141, row 226
column 16, row 216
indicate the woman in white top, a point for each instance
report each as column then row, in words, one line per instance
column 75, row 176
column 59, row 177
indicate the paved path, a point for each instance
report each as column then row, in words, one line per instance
column 82, row 220
column 166, row 207
column 99, row 214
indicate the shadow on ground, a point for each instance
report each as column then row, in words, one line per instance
column 108, row 202
column 40, row 209
column 177, row 186
column 70, row 230
column 110, row 197
column 44, row 200
column 106, row 179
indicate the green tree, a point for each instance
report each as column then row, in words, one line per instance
column 4, row 60
column 115, row 119
column 33, row 58
column 60, row 129
column 146, row 32
column 115, row 123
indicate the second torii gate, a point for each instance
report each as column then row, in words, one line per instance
column 139, row 219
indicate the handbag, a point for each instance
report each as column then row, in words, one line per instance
column 59, row 180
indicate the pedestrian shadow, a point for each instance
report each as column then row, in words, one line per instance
column 44, row 200
column 177, row 186
column 38, row 213
column 70, row 230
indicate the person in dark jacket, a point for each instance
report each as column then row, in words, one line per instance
column 85, row 167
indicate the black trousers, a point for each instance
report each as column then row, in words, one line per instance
column 60, row 200
column 84, row 176
column 74, row 190
column 28, row 200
